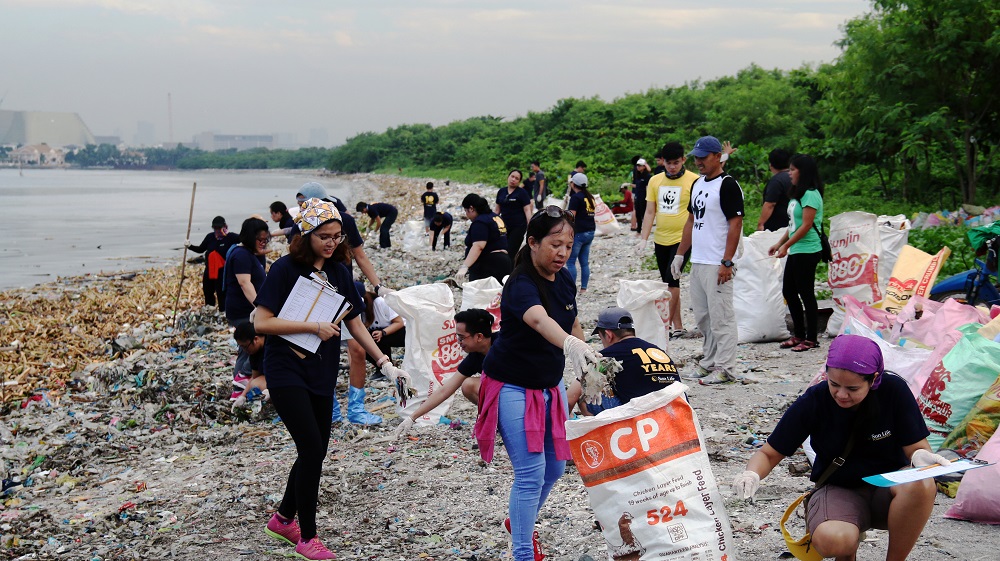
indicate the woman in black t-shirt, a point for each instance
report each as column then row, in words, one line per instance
column 582, row 207
column 486, row 243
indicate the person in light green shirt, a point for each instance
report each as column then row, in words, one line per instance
column 801, row 243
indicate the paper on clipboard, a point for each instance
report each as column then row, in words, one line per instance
column 910, row 475
column 312, row 299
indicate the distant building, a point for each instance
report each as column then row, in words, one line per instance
column 211, row 142
column 37, row 155
column 43, row 127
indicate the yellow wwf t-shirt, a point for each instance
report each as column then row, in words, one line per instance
column 671, row 197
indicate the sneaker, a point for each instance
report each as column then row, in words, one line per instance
column 698, row 372
column 678, row 333
column 313, row 549
column 536, row 545
column 286, row 532
column 239, row 384
column 718, row 377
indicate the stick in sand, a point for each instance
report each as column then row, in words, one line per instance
column 180, row 285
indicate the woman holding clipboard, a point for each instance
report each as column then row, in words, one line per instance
column 862, row 421
column 302, row 383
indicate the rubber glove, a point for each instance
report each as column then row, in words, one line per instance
column 579, row 352
column 403, row 429
column 924, row 457
column 462, row 271
column 745, row 485
column 676, row 265
column 402, row 383
column 383, row 291
column 640, row 249
column 187, row 243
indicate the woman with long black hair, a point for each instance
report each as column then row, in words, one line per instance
column 301, row 383
column 486, row 243
column 802, row 246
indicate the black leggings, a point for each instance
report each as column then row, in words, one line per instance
column 495, row 264
column 434, row 240
column 798, row 288
column 515, row 237
column 307, row 418
column 387, row 343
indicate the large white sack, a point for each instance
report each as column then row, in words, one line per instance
column 645, row 467
column 855, row 243
column 432, row 351
column 413, row 236
column 604, row 219
column 894, row 233
column 484, row 294
column 649, row 303
column 757, row 300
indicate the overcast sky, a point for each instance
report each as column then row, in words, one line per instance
column 261, row 67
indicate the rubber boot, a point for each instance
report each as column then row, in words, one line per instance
column 356, row 408
column 337, row 417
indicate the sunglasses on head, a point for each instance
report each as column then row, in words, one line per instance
column 552, row 211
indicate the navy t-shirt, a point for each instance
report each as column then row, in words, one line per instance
column 282, row 367
column 472, row 364
column 646, row 368
column 640, row 180
column 583, row 221
column 430, row 201
column 354, row 238
column 446, row 220
column 878, row 449
column 520, row 355
column 380, row 209
column 512, row 206
column 242, row 262
column 488, row 228
column 288, row 222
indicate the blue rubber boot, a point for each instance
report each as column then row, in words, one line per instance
column 337, row 417
column 356, row 408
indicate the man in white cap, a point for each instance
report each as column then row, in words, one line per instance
column 640, row 179
column 712, row 233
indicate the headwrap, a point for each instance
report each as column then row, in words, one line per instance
column 315, row 213
column 857, row 354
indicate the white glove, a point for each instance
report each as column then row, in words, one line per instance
column 676, row 265
column 579, row 352
column 640, row 248
column 403, row 429
column 384, row 291
column 924, row 457
column 239, row 402
column 187, row 243
column 745, row 485
column 462, row 271
column 402, row 383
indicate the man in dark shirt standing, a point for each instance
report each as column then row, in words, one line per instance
column 774, row 213
column 430, row 201
column 540, row 189
column 215, row 245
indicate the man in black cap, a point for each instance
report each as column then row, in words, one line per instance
column 215, row 245
column 645, row 367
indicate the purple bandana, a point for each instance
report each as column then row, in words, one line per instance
column 857, row 354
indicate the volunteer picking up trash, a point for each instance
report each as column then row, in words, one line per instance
column 862, row 421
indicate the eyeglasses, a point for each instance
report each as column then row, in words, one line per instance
column 335, row 238
column 464, row 337
column 263, row 239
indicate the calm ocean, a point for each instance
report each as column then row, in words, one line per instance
column 58, row 223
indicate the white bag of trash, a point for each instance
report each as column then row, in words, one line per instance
column 604, row 219
column 856, row 246
column 647, row 475
column 649, row 303
column 893, row 233
column 757, row 300
column 432, row 349
column 413, row 236
column 483, row 294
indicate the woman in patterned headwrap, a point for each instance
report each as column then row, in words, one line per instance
column 302, row 383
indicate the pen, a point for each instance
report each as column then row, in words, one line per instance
column 928, row 467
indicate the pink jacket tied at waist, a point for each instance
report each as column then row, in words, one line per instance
column 534, row 419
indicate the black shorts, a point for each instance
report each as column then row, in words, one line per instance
column 664, row 256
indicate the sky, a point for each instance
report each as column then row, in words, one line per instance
column 346, row 67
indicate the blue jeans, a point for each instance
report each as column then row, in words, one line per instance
column 534, row 472
column 581, row 249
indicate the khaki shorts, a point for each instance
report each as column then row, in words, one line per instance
column 866, row 507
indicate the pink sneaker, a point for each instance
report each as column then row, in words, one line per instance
column 313, row 549
column 279, row 530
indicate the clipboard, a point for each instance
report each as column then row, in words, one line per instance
column 902, row 476
column 313, row 299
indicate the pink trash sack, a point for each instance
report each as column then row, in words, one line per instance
column 978, row 498
column 935, row 323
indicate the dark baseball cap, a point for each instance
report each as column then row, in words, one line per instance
column 614, row 317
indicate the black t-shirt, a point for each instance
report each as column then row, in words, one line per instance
column 878, row 449
column 539, row 178
column 520, row 355
column 583, row 221
column 646, row 368
column 446, row 220
column 288, row 222
column 242, row 262
column 380, row 210
column 640, row 179
column 282, row 367
column 488, row 228
column 472, row 364
column 430, row 200
column 512, row 206
column 776, row 191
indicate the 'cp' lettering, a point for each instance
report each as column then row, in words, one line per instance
column 646, row 429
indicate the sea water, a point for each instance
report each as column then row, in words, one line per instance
column 57, row 222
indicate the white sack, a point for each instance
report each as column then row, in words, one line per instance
column 649, row 303
column 604, row 219
column 855, row 243
column 413, row 236
column 894, row 233
column 484, row 294
column 645, row 467
column 432, row 350
column 757, row 300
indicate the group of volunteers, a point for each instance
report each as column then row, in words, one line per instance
column 862, row 419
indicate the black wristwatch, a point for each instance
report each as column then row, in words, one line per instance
column 727, row 263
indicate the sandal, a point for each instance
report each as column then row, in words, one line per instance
column 805, row 345
column 791, row 342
